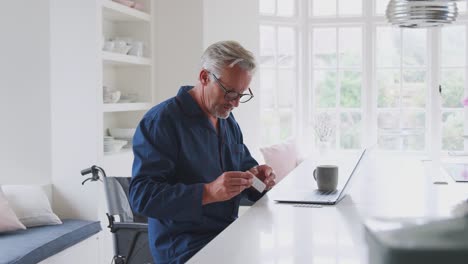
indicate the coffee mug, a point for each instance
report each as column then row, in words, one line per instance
column 326, row 177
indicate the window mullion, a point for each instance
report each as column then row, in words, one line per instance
column 400, row 105
column 465, row 93
column 434, row 102
column 337, row 87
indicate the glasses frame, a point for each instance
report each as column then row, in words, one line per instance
column 228, row 91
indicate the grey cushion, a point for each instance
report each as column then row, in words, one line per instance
column 38, row 243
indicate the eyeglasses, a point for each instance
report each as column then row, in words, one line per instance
column 230, row 95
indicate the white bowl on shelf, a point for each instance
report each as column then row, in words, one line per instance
column 122, row 133
column 111, row 97
column 114, row 146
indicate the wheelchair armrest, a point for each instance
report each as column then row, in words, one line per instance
column 129, row 225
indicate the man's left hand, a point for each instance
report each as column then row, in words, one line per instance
column 266, row 174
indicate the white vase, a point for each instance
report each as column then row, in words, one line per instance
column 323, row 147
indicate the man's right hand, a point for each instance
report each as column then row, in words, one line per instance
column 226, row 186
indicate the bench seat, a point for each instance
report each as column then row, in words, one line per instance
column 38, row 243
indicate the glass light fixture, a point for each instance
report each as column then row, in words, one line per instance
column 421, row 13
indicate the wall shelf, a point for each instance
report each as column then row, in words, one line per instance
column 113, row 11
column 123, row 152
column 121, row 107
column 117, row 59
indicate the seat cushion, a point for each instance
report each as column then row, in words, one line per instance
column 38, row 243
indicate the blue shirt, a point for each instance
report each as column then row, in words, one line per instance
column 177, row 151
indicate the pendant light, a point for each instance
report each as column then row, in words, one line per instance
column 421, row 13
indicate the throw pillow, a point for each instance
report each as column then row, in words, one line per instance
column 8, row 219
column 282, row 158
column 31, row 205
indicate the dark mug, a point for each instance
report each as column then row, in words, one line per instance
column 326, row 177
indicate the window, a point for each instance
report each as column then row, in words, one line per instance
column 278, row 75
column 337, row 81
column 401, row 84
column 453, row 73
column 375, row 83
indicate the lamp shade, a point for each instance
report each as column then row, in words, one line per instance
column 421, row 13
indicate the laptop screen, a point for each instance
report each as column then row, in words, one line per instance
column 347, row 183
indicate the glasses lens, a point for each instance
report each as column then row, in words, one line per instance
column 231, row 96
column 245, row 98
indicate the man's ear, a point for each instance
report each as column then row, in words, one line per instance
column 204, row 77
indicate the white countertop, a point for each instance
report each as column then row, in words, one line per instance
column 383, row 187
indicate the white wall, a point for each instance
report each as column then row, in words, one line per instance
column 179, row 45
column 25, row 124
column 185, row 28
column 237, row 20
column 74, row 109
column 48, row 104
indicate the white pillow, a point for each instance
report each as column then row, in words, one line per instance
column 31, row 205
column 8, row 219
column 282, row 158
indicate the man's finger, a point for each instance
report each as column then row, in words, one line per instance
column 238, row 174
column 267, row 170
column 240, row 181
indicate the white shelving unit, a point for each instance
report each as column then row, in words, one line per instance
column 132, row 75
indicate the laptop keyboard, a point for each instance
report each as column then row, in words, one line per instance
column 321, row 196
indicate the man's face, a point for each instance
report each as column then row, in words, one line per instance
column 233, row 79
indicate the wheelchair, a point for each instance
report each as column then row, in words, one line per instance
column 130, row 230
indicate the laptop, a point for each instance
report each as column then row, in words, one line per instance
column 320, row 197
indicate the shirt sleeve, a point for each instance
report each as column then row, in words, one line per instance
column 154, row 191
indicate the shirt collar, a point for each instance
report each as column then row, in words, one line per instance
column 187, row 103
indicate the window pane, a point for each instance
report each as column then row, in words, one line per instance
column 414, row 47
column 325, row 88
column 350, row 127
column 388, row 87
column 270, row 127
column 267, row 45
column 286, row 8
column 286, row 124
column 350, row 7
column 388, row 47
column 324, row 47
column 389, row 130
column 452, row 88
column 325, row 127
column 452, row 131
column 413, row 92
column 351, row 89
column 389, row 142
column 267, row 7
column 286, row 47
column 453, row 46
column 267, row 88
column 350, row 47
column 461, row 7
column 413, row 130
column 286, row 87
column 381, row 6
column 389, row 123
column 324, row 7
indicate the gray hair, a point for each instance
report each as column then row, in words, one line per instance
column 227, row 54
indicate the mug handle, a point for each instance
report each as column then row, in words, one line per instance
column 314, row 173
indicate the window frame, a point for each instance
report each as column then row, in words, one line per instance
column 369, row 21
